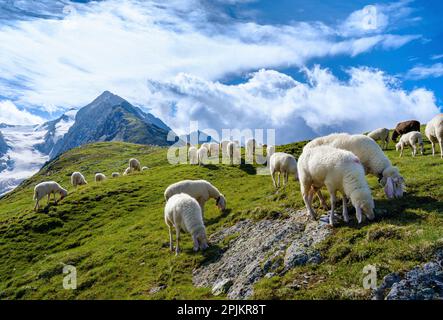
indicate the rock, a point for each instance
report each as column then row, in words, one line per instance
column 221, row 287
column 259, row 249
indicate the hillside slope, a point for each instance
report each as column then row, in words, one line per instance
column 115, row 235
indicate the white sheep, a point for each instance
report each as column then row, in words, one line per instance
column 134, row 164
column 412, row 139
column 214, row 150
column 224, row 147
column 434, row 132
column 205, row 145
column 380, row 134
column 127, row 171
column 184, row 213
column 338, row 170
column 371, row 156
column 100, row 177
column 270, row 150
column 202, row 154
column 46, row 189
column 193, row 155
column 282, row 163
column 115, row 174
column 77, row 179
column 200, row 190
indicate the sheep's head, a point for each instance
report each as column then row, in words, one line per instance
column 200, row 239
column 393, row 183
column 63, row 193
column 364, row 204
column 398, row 146
column 221, row 202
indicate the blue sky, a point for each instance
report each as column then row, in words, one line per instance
column 316, row 66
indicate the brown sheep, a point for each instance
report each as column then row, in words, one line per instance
column 405, row 127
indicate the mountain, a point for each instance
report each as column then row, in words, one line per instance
column 3, row 145
column 111, row 118
column 264, row 246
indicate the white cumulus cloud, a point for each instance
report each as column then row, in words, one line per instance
column 10, row 114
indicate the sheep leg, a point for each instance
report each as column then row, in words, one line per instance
column 345, row 210
column 433, row 148
column 286, row 178
column 322, row 200
column 278, row 182
column 55, row 198
column 273, row 179
column 170, row 238
column 177, row 239
column 333, row 200
column 414, row 150
column 441, row 148
column 36, row 207
column 401, row 151
column 308, row 203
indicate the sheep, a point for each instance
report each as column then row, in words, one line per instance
column 405, row 127
column 202, row 154
column 224, row 147
column 381, row 134
column 47, row 188
column 100, row 177
column 371, row 156
column 270, row 150
column 338, row 170
column 201, row 190
column 205, row 145
column 127, row 171
column 115, row 174
column 411, row 138
column 134, row 164
column 193, row 155
column 77, row 179
column 282, row 163
column 434, row 132
column 184, row 213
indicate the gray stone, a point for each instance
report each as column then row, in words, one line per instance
column 221, row 287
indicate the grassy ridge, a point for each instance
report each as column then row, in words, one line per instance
column 115, row 235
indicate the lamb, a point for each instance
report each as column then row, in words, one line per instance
column 200, row 190
column 202, row 154
column 115, row 174
column 134, row 164
column 100, row 177
column 405, row 127
column 434, row 132
column 77, row 179
column 183, row 213
column 193, row 155
column 338, row 170
column 47, row 188
column 410, row 139
column 282, row 163
column 380, row 134
column 371, row 156
column 127, row 171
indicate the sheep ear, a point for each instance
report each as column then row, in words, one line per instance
column 389, row 188
column 359, row 214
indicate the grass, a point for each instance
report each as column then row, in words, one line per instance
column 114, row 233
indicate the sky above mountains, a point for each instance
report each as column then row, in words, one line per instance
column 302, row 67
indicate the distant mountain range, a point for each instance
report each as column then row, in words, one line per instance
column 24, row 149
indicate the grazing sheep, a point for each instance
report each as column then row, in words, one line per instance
column 202, row 154
column 100, row 177
column 77, row 179
column 46, row 189
column 201, row 190
column 115, row 174
column 184, row 213
column 405, row 127
column 434, row 132
column 338, row 170
column 371, row 156
column 410, row 139
column 193, row 155
column 380, row 134
column 282, row 163
column 134, row 164
column 127, row 171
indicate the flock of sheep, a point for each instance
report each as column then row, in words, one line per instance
column 338, row 162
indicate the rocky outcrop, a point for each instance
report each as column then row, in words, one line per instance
column 421, row 283
column 258, row 249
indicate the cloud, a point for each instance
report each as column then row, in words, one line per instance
column 422, row 71
column 298, row 110
column 10, row 114
column 436, row 56
column 65, row 56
